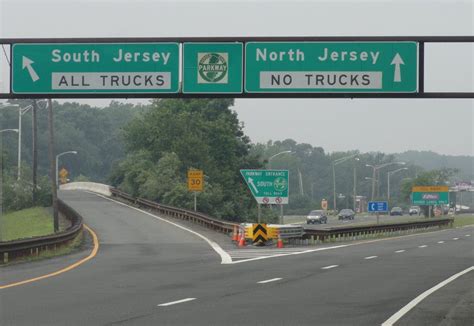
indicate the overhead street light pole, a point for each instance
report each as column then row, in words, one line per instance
column 388, row 181
column 269, row 165
column 334, row 163
column 375, row 169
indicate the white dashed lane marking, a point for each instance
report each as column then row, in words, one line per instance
column 440, row 241
column 330, row 266
column 422, row 246
column 455, row 239
column 467, row 235
column 175, row 302
column 270, row 280
column 370, row 257
column 400, row 251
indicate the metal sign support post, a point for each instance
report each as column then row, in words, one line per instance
column 429, row 211
column 378, row 218
column 195, row 201
column 281, row 214
column 258, row 213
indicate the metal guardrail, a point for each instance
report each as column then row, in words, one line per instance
column 184, row 214
column 10, row 250
column 287, row 231
column 357, row 232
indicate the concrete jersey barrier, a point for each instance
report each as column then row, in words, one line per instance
column 98, row 188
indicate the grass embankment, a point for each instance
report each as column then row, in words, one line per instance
column 463, row 220
column 27, row 223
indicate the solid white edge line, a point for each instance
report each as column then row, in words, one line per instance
column 175, row 302
column 329, row 267
column 370, row 257
column 270, row 280
column 399, row 314
column 225, row 257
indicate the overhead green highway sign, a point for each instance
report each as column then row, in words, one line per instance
column 213, row 68
column 95, row 68
column 267, row 186
column 305, row 67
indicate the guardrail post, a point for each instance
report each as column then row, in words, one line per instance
column 5, row 257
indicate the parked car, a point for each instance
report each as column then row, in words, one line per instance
column 396, row 211
column 318, row 216
column 346, row 214
column 414, row 210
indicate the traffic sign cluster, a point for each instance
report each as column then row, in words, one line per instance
column 214, row 68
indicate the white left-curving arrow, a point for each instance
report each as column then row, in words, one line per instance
column 397, row 61
column 27, row 63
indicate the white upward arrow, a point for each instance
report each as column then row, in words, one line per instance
column 253, row 185
column 397, row 61
column 27, row 62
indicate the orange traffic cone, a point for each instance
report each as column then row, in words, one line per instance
column 235, row 235
column 280, row 242
column 242, row 240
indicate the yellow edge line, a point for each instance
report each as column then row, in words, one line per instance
column 64, row 270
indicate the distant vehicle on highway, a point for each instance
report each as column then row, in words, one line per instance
column 396, row 211
column 346, row 214
column 318, row 216
column 414, row 210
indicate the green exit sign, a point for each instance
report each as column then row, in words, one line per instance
column 268, row 186
column 95, row 68
column 306, row 67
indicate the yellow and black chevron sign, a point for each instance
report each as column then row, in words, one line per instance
column 260, row 233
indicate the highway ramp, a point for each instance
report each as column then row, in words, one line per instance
column 149, row 272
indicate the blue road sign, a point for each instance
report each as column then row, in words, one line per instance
column 377, row 206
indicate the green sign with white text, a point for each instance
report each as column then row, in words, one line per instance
column 430, row 198
column 95, row 68
column 212, row 68
column 307, row 67
column 268, row 186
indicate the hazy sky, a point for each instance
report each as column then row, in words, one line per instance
column 389, row 125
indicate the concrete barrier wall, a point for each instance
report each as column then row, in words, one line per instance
column 89, row 186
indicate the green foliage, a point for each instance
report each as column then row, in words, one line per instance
column 95, row 133
column 177, row 135
column 18, row 194
column 81, row 178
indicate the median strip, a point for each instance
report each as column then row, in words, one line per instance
column 330, row 266
column 270, row 280
column 175, row 302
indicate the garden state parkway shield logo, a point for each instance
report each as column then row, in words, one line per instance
column 212, row 68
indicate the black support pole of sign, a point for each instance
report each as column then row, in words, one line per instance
column 421, row 68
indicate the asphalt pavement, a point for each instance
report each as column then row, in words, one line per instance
column 149, row 272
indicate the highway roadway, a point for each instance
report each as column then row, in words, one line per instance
column 150, row 272
column 358, row 220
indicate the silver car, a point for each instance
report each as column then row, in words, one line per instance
column 318, row 216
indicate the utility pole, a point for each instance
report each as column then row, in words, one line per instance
column 35, row 148
column 52, row 165
column 334, row 186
